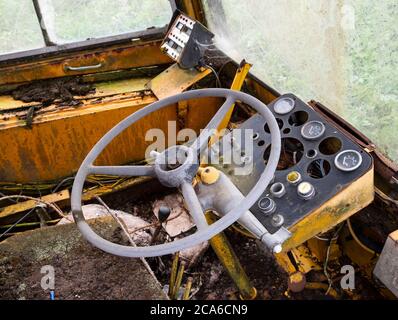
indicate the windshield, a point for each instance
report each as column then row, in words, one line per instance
column 75, row 20
column 342, row 53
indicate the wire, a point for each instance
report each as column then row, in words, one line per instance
column 51, row 205
column 215, row 74
column 357, row 239
column 59, row 185
column 325, row 265
column 19, row 220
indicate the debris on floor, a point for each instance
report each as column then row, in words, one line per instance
column 179, row 220
column 140, row 231
column 62, row 91
column 178, row 223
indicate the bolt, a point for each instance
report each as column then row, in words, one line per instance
column 277, row 220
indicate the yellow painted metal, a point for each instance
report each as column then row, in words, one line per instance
column 175, row 80
column 187, row 290
column 8, row 103
column 200, row 111
column 173, row 273
column 305, row 260
column 192, row 114
column 230, row 261
column 60, row 138
column 260, row 91
column 237, row 84
column 177, row 285
column 58, row 141
column 208, row 175
column 30, row 204
column 319, row 248
column 112, row 58
column 92, row 193
column 193, row 8
column 357, row 254
column 346, row 203
column 284, row 261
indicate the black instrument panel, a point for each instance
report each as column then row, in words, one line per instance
column 317, row 161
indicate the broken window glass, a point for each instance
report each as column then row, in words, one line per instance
column 75, row 20
column 342, row 53
column 19, row 26
column 78, row 20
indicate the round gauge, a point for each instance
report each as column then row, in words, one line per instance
column 284, row 105
column 348, row 160
column 313, row 130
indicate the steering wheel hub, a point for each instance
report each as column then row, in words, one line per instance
column 176, row 165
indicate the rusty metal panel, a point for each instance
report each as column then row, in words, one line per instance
column 58, row 142
column 116, row 58
column 175, row 80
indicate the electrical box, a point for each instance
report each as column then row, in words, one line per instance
column 186, row 41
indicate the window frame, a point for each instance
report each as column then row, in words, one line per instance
column 51, row 48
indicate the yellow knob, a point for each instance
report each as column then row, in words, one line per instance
column 209, row 175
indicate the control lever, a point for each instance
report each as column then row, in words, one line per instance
column 217, row 192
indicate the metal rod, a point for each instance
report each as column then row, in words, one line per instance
column 230, row 261
column 173, row 273
column 178, row 280
column 42, row 24
column 188, row 287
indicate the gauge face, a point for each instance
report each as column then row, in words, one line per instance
column 348, row 160
column 313, row 130
column 284, row 105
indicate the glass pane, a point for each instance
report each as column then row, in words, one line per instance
column 19, row 27
column 78, row 20
column 341, row 53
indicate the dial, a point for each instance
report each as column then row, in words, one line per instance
column 313, row 130
column 284, row 105
column 348, row 160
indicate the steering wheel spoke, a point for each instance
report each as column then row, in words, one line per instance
column 129, row 171
column 193, row 205
column 203, row 140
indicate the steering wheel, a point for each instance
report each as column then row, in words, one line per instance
column 180, row 176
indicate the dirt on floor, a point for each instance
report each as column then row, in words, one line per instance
column 62, row 91
column 80, row 270
column 102, row 276
column 211, row 281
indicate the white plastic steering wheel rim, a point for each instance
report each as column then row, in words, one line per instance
column 202, row 234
